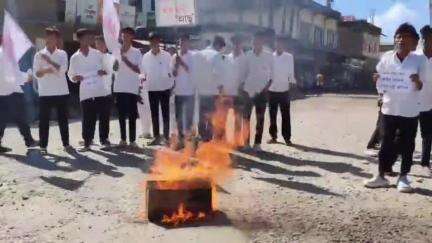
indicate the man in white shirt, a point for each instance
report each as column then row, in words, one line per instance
column 12, row 107
column 109, row 65
column 279, row 91
column 238, row 58
column 183, row 70
column 50, row 66
column 259, row 66
column 155, row 69
column 86, row 69
column 126, row 87
column 209, row 86
column 426, row 99
column 400, row 109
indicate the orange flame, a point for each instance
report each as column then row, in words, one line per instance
column 182, row 216
column 210, row 161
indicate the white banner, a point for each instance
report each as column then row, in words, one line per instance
column 15, row 45
column 111, row 27
column 175, row 12
column 397, row 82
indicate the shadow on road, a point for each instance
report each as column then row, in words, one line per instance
column 335, row 167
column 36, row 160
column 299, row 186
column 304, row 148
column 65, row 183
column 122, row 159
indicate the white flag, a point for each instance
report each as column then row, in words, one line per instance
column 15, row 45
column 111, row 27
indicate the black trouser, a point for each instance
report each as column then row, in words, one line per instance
column 127, row 109
column 260, row 103
column 426, row 133
column 46, row 105
column 376, row 136
column 184, row 112
column 12, row 108
column 94, row 109
column 162, row 99
column 282, row 100
column 206, row 109
column 407, row 128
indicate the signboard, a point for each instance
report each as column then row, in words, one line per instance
column 88, row 11
column 175, row 13
column 127, row 15
column 396, row 81
column 71, row 11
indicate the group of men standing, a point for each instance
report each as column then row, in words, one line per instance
column 401, row 111
column 208, row 77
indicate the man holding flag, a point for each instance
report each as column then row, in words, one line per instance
column 14, row 46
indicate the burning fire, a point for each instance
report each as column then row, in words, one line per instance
column 182, row 216
column 210, row 161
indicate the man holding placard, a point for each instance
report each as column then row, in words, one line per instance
column 426, row 99
column 398, row 80
column 86, row 69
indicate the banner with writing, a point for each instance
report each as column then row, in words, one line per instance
column 395, row 81
column 175, row 13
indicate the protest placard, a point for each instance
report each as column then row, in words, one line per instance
column 175, row 13
column 395, row 81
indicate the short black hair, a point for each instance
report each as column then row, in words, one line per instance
column 80, row 33
column 154, row 36
column 52, row 31
column 219, row 41
column 280, row 38
column 408, row 29
column 426, row 32
column 128, row 30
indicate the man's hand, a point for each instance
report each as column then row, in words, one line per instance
column 375, row 77
column 102, row 72
column 77, row 78
column 415, row 78
column 266, row 88
column 42, row 72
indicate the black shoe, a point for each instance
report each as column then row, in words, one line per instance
column 32, row 144
column 156, row 142
column 289, row 143
column 4, row 150
column 272, row 141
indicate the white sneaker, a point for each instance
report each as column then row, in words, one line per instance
column 403, row 185
column 257, row 147
column 371, row 152
column 377, row 182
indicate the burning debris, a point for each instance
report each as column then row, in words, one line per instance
column 182, row 185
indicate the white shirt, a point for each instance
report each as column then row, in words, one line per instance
column 426, row 78
column 225, row 74
column 7, row 88
column 184, row 81
column 283, row 72
column 52, row 84
column 108, row 62
column 88, row 66
column 127, row 80
column 259, row 71
column 401, row 104
column 239, row 65
column 206, row 76
column 157, row 71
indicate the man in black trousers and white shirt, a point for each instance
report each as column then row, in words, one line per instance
column 86, row 68
column 400, row 109
column 50, row 66
column 279, row 91
column 126, row 87
column 259, row 66
column 156, row 71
